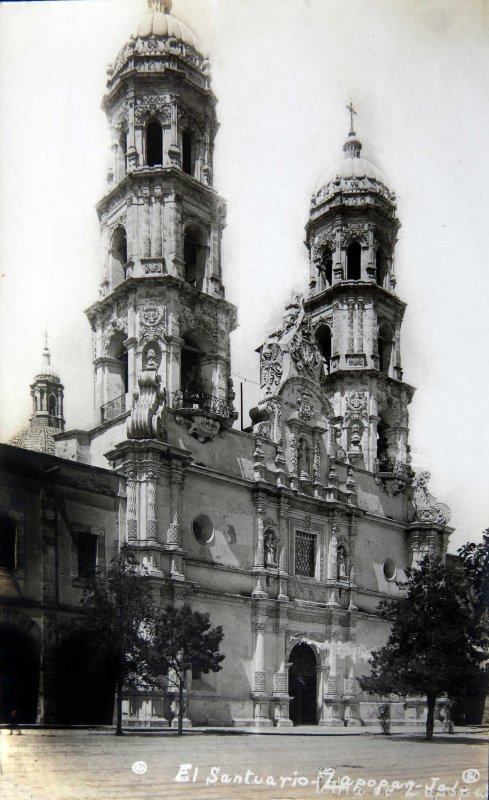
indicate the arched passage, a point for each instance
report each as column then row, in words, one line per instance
column 303, row 685
column 154, row 144
column 323, row 339
column 19, row 675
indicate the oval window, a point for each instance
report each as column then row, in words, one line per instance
column 203, row 529
column 389, row 569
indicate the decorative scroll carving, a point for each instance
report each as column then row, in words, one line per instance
column 358, row 233
column 115, row 326
column 280, row 683
column 132, row 523
column 144, row 422
column 427, row 508
column 152, row 322
column 259, row 681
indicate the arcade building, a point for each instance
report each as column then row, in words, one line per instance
column 289, row 533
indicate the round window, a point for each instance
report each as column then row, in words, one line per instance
column 390, row 569
column 203, row 529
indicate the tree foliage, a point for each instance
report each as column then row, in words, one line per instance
column 119, row 611
column 183, row 639
column 435, row 638
column 475, row 561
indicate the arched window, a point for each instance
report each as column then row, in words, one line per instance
column 154, row 144
column 326, row 269
column 323, row 339
column 52, row 406
column 118, row 255
column 381, row 267
column 354, row 262
column 194, row 256
column 188, row 152
column 385, row 343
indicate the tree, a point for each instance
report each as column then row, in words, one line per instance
column 119, row 612
column 433, row 643
column 183, row 639
column 475, row 562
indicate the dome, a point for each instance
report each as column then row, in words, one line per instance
column 39, row 438
column 163, row 25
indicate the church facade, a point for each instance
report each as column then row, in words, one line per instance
column 287, row 534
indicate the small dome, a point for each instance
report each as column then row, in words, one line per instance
column 352, row 167
column 39, row 438
column 162, row 25
column 46, row 370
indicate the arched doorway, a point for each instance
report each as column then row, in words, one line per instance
column 19, row 675
column 85, row 682
column 303, row 685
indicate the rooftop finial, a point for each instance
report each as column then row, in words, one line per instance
column 160, row 5
column 46, row 355
column 352, row 112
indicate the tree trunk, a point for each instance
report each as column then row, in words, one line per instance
column 180, row 708
column 430, row 718
column 118, row 730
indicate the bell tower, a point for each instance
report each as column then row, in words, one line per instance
column 354, row 312
column 161, row 308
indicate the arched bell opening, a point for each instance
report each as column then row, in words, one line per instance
column 154, row 144
column 303, row 708
column 191, row 378
column 385, row 348
column 189, row 152
column 118, row 255
column 123, row 145
column 19, row 675
column 52, row 405
column 382, row 446
column 195, row 256
column 381, row 268
column 325, row 269
column 323, row 339
column 118, row 367
column 354, row 262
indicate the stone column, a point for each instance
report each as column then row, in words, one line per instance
column 174, row 533
column 351, row 341
column 360, row 347
column 157, row 250
column 151, row 520
column 259, row 659
column 322, row 679
column 131, row 513
column 282, row 556
column 259, row 548
column 147, row 227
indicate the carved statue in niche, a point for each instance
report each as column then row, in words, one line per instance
column 303, row 458
column 151, row 360
column 270, row 544
column 341, row 563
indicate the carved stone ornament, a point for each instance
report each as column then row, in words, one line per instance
column 271, row 366
column 427, row 508
column 145, row 422
column 115, row 326
column 305, row 407
column 152, row 105
column 358, row 233
column 356, row 405
column 152, row 322
column 304, row 351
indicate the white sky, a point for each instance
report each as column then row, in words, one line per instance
column 283, row 71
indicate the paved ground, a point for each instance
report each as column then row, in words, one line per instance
column 96, row 765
